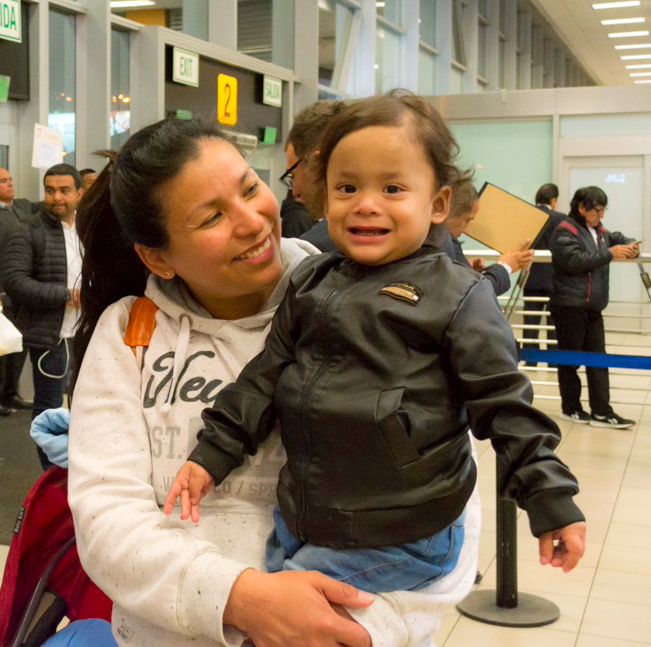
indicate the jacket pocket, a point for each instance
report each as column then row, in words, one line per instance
column 392, row 420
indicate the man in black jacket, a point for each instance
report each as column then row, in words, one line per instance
column 41, row 268
column 582, row 249
column 13, row 212
column 539, row 283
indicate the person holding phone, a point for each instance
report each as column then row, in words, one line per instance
column 582, row 249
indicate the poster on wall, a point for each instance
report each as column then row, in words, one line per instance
column 48, row 147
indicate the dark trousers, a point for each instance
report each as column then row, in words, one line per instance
column 578, row 329
column 11, row 366
column 50, row 372
column 534, row 320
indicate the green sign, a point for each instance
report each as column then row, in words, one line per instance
column 272, row 91
column 10, row 24
column 269, row 135
column 4, row 88
column 185, row 67
column 183, row 114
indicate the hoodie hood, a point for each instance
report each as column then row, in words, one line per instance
column 231, row 338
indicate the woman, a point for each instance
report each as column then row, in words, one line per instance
column 181, row 205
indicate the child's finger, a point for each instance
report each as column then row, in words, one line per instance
column 196, row 485
column 185, row 503
column 194, row 512
column 172, row 496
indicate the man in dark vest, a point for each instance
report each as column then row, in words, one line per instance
column 13, row 212
column 41, row 272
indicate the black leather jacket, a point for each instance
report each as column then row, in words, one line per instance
column 581, row 268
column 373, row 372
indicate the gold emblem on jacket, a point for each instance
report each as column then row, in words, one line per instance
column 403, row 292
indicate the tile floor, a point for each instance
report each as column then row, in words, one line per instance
column 606, row 600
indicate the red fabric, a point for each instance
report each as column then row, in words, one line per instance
column 45, row 526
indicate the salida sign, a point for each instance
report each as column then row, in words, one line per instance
column 10, row 26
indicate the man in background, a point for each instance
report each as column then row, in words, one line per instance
column 88, row 176
column 41, row 271
column 539, row 283
column 302, row 147
column 13, row 212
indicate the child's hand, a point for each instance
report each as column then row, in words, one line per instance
column 192, row 483
column 569, row 547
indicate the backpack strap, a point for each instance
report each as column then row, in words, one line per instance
column 140, row 327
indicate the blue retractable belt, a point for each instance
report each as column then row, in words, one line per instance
column 583, row 358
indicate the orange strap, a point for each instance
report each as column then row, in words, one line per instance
column 142, row 321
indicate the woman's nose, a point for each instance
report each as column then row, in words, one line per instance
column 248, row 221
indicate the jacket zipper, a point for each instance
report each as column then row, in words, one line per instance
column 305, row 404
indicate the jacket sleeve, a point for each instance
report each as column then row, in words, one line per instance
column 499, row 278
column 570, row 256
column 158, row 568
column 617, row 238
column 243, row 414
column 18, row 280
column 482, row 354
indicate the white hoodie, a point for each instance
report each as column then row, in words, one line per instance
column 131, row 430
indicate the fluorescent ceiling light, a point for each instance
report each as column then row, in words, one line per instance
column 642, row 81
column 639, row 73
column 616, row 5
column 635, row 57
column 129, row 4
column 638, row 67
column 639, row 46
column 627, row 34
column 622, row 21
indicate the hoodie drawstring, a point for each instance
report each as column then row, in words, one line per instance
column 182, row 342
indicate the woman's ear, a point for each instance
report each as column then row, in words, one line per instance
column 155, row 260
column 441, row 204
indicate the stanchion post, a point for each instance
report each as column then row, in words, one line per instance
column 504, row 606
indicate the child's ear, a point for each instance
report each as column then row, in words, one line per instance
column 155, row 260
column 441, row 204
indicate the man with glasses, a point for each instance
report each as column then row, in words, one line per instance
column 302, row 147
column 296, row 219
column 582, row 249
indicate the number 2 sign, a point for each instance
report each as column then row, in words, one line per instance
column 226, row 99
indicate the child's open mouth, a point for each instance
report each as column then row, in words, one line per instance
column 368, row 231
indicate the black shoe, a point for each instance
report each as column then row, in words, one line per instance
column 478, row 577
column 611, row 420
column 4, row 411
column 16, row 402
column 580, row 417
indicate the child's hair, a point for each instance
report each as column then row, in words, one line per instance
column 396, row 108
column 122, row 207
column 590, row 197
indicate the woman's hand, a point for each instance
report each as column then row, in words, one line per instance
column 294, row 609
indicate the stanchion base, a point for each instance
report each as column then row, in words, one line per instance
column 532, row 611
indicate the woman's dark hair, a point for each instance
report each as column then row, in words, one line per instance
column 396, row 108
column 590, row 197
column 123, row 207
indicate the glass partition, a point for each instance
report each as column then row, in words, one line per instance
column 120, row 115
column 63, row 70
column 387, row 60
column 335, row 22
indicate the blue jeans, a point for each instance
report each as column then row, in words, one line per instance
column 83, row 633
column 50, row 375
column 389, row 568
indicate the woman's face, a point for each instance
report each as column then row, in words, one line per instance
column 224, row 232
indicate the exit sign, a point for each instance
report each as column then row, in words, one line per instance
column 10, row 26
column 185, row 68
column 272, row 91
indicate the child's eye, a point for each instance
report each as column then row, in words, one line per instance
column 346, row 188
column 393, row 188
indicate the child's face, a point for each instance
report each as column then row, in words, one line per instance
column 381, row 195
